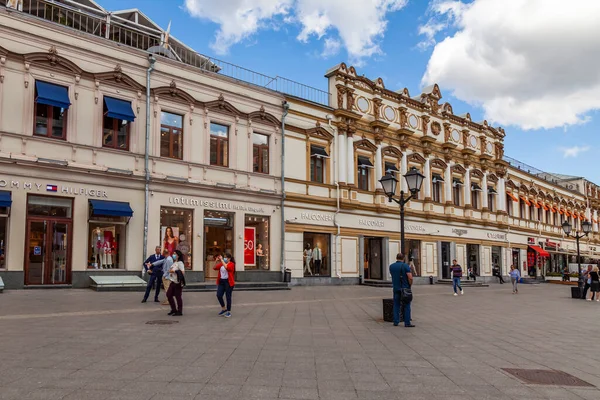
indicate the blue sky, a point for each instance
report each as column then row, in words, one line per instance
column 506, row 74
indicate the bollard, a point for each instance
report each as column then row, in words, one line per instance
column 431, row 280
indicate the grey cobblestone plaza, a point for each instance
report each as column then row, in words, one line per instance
column 307, row 343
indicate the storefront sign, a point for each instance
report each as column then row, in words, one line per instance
column 592, row 248
column 316, row 216
column 498, row 236
column 530, row 240
column 249, row 246
column 551, row 245
column 414, row 228
column 221, row 205
column 459, row 232
column 371, row 222
column 52, row 188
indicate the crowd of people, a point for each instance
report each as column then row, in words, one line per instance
column 166, row 269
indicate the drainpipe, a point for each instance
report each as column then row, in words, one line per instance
column 152, row 60
column 337, row 191
column 286, row 108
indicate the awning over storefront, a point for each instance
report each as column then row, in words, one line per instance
column 52, row 95
column 110, row 208
column 5, row 198
column 540, row 251
column 119, row 109
column 513, row 197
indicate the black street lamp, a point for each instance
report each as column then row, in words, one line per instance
column 414, row 180
column 587, row 228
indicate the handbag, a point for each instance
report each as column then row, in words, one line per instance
column 406, row 295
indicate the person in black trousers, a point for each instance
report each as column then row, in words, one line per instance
column 496, row 271
column 586, row 279
column 155, row 275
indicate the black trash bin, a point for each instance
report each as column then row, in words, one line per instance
column 576, row 292
column 431, row 280
column 388, row 310
column 287, row 276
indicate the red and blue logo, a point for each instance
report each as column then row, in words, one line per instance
column 51, row 188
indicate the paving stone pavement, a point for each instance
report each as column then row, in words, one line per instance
column 308, row 343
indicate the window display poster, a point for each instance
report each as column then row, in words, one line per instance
column 170, row 237
column 249, row 246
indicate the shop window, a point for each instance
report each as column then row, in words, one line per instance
column 176, row 231
column 316, row 254
column 50, row 110
column 318, row 155
column 260, row 153
column 3, row 235
column 107, row 243
column 414, row 255
column 171, row 135
column 47, row 206
column 219, row 145
column 256, row 243
column 218, row 239
column 457, row 186
column 436, row 188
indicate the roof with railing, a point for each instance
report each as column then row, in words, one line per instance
column 134, row 29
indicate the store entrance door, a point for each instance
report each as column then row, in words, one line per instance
column 373, row 258
column 48, row 246
column 218, row 239
column 446, row 262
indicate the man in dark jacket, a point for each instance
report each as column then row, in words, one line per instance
column 155, row 274
column 401, row 279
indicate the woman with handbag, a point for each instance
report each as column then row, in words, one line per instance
column 595, row 284
column 177, row 278
column 225, row 282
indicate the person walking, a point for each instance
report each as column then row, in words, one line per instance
column 498, row 274
column 177, row 278
column 457, row 273
column 402, row 280
column 225, row 282
column 586, row 278
column 155, row 275
column 165, row 263
column 595, row 285
column 515, row 275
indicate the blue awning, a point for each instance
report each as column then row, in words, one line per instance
column 52, row 95
column 5, row 198
column 111, row 208
column 119, row 109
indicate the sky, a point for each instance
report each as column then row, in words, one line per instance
column 530, row 66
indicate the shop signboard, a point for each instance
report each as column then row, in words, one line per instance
column 249, row 246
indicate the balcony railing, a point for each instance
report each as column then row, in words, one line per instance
column 117, row 29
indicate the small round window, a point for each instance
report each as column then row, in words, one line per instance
column 363, row 104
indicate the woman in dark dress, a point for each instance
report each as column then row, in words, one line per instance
column 595, row 285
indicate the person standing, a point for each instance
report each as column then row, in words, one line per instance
column 177, row 278
column 155, row 275
column 498, row 274
column 317, row 256
column 225, row 282
column 595, row 285
column 515, row 275
column 457, row 273
column 402, row 279
column 166, row 264
column 586, row 278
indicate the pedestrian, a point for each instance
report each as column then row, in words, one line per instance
column 177, row 278
column 473, row 273
column 566, row 277
column 402, row 280
column 595, row 286
column 166, row 264
column 225, row 282
column 155, row 275
column 498, row 274
column 456, row 275
column 515, row 275
column 586, row 278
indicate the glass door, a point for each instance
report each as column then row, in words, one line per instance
column 48, row 243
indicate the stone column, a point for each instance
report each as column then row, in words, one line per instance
column 484, row 193
column 350, row 160
column 403, row 171
column 467, row 188
column 378, row 166
column 595, row 224
column 501, row 198
column 427, row 180
column 341, row 158
column 448, row 184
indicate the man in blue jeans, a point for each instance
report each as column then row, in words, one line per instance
column 456, row 275
column 401, row 279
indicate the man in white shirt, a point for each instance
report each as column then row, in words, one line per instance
column 166, row 263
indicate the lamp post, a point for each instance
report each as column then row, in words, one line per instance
column 414, row 180
column 587, row 228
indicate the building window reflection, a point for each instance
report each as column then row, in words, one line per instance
column 256, row 243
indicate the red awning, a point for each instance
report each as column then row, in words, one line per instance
column 546, row 208
column 512, row 196
column 525, row 200
column 541, row 252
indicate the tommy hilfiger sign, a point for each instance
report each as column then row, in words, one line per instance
column 52, row 188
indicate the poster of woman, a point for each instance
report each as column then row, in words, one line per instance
column 170, row 238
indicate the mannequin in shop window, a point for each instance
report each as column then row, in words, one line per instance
column 261, row 255
column 307, row 258
column 317, row 256
column 97, row 243
column 170, row 242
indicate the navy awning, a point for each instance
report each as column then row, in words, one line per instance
column 52, row 95
column 119, row 109
column 111, row 208
column 364, row 162
column 5, row 198
column 318, row 151
column 390, row 168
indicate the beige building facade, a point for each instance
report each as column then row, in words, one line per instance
column 72, row 153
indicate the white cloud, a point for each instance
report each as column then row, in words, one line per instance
column 359, row 24
column 530, row 63
column 573, row 151
column 331, row 47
